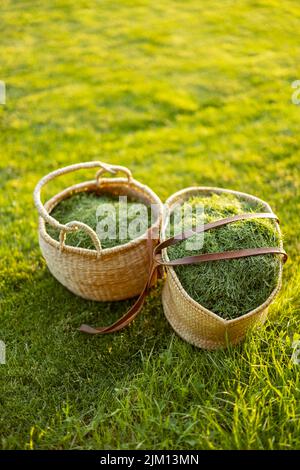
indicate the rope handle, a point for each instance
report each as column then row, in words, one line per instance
column 74, row 225
column 156, row 262
column 113, row 170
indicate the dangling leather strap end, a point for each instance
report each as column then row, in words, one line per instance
column 88, row 329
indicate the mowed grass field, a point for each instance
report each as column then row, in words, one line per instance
column 183, row 93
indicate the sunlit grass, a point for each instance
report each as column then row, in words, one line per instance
column 183, row 93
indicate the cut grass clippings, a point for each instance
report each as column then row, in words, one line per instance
column 85, row 206
column 230, row 288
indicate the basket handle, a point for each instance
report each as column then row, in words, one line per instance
column 74, row 225
column 113, row 169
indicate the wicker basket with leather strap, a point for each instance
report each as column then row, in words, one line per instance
column 192, row 321
column 101, row 274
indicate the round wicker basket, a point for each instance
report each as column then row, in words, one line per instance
column 192, row 321
column 101, row 274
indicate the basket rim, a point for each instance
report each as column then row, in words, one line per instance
column 90, row 186
column 183, row 194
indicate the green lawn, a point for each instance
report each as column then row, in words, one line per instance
column 184, row 93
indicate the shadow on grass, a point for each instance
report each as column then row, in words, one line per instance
column 43, row 317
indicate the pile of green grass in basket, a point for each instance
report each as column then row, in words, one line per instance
column 83, row 207
column 229, row 288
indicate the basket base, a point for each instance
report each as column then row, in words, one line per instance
column 196, row 339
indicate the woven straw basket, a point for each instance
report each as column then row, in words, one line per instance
column 101, row 274
column 193, row 322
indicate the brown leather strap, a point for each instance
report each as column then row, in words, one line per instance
column 127, row 318
column 122, row 322
column 222, row 255
column 137, row 306
column 156, row 261
column 217, row 223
